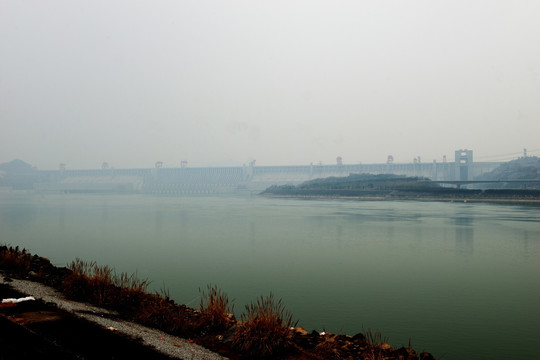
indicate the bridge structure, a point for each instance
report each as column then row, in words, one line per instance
column 240, row 179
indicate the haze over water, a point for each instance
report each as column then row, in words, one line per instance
column 459, row 279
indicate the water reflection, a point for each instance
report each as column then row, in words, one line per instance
column 19, row 217
column 62, row 217
column 390, row 226
column 464, row 234
column 104, row 213
column 158, row 223
column 339, row 233
column 529, row 241
column 252, row 234
column 390, row 233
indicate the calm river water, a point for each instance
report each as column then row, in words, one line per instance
column 459, row 280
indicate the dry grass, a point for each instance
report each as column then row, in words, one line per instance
column 216, row 314
column 101, row 286
column 14, row 261
column 377, row 343
column 375, row 338
column 328, row 348
column 373, row 355
column 128, row 295
column 132, row 292
column 162, row 313
column 265, row 329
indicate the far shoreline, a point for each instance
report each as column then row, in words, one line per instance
column 409, row 198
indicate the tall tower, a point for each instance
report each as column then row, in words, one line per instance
column 464, row 159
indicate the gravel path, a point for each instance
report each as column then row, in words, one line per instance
column 167, row 344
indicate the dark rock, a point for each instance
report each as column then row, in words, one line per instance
column 405, row 354
column 343, row 338
column 426, row 356
column 359, row 339
column 300, row 330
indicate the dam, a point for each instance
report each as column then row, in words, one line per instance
column 241, row 179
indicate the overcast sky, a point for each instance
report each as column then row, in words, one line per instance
column 283, row 82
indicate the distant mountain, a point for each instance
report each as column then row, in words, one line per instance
column 16, row 166
column 522, row 168
column 525, row 168
column 18, row 175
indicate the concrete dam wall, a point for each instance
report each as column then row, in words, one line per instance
column 223, row 180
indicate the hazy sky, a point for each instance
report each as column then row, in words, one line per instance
column 283, row 82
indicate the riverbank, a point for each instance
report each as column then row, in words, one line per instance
column 410, row 198
column 233, row 339
column 52, row 326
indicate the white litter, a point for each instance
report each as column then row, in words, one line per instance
column 15, row 301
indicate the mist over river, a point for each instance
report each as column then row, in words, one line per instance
column 459, row 280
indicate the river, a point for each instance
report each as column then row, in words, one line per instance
column 459, row 280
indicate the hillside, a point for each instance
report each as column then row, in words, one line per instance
column 16, row 166
column 526, row 168
column 357, row 183
column 18, row 175
column 394, row 187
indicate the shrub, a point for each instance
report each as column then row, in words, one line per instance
column 101, row 286
column 14, row 261
column 374, row 338
column 77, row 284
column 161, row 313
column 328, row 348
column 132, row 292
column 265, row 329
column 216, row 315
